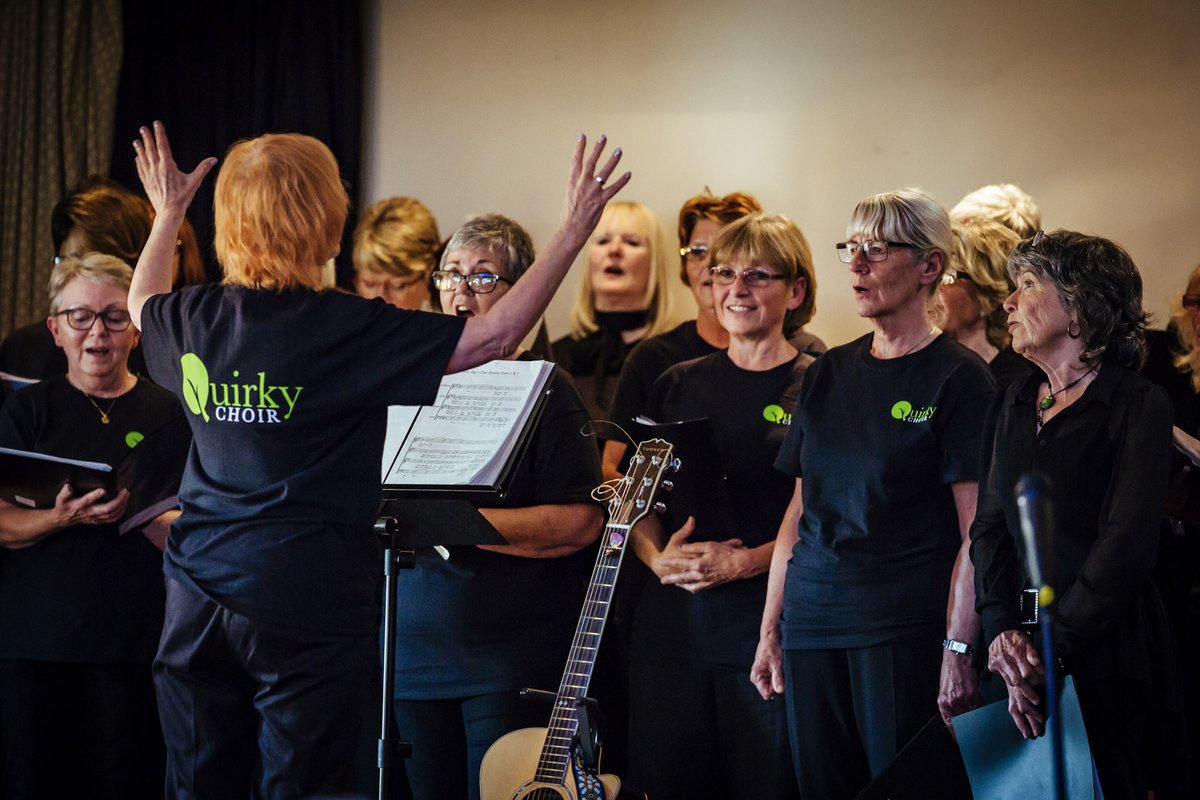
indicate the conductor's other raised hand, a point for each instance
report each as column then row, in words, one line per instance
column 169, row 188
column 588, row 187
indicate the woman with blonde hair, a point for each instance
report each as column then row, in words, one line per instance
column 696, row 623
column 396, row 247
column 269, row 660
column 623, row 298
column 970, row 302
column 81, row 606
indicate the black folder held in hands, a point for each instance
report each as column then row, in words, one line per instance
column 700, row 489
column 150, row 472
column 33, row 480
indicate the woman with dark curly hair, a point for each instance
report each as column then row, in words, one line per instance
column 1100, row 435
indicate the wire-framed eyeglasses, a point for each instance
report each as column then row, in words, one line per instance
column 755, row 277
column 873, row 250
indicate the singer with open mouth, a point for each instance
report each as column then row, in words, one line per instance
column 1099, row 436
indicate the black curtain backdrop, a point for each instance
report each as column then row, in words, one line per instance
column 216, row 71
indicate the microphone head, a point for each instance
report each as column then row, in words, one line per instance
column 1034, row 508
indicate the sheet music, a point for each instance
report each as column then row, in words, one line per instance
column 466, row 435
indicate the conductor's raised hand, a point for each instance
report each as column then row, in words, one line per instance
column 589, row 188
column 169, row 188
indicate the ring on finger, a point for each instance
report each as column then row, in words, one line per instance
column 600, row 179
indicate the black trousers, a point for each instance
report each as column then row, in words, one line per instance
column 450, row 737
column 258, row 710
column 78, row 730
column 850, row 711
column 699, row 732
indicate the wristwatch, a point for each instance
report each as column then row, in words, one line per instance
column 955, row 646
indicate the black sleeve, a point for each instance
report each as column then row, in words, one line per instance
column 969, row 394
column 633, row 385
column 1123, row 554
column 998, row 572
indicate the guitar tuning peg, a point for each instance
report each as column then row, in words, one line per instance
column 674, row 465
column 667, row 485
column 660, row 507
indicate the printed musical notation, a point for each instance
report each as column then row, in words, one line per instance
column 469, row 433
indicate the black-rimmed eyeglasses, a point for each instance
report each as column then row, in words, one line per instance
column 874, row 250
column 82, row 319
column 478, row 282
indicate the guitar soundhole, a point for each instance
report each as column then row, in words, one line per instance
column 545, row 793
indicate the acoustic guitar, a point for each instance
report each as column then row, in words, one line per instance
column 545, row 763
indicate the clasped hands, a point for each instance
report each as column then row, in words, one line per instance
column 1013, row 657
column 695, row 566
column 88, row 509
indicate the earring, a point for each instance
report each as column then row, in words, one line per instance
column 1077, row 332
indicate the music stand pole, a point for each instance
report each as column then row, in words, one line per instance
column 394, row 559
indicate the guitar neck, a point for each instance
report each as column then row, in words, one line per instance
column 564, row 720
column 631, row 499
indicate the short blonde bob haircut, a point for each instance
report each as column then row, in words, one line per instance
column 775, row 242
column 980, row 254
column 397, row 236
column 279, row 211
column 657, row 300
column 910, row 216
column 1005, row 203
column 96, row 267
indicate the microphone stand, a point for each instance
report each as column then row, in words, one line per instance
column 1033, row 505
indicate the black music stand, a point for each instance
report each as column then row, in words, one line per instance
column 404, row 526
column 413, row 516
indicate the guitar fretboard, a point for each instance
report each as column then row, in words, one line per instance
column 631, row 502
column 564, row 721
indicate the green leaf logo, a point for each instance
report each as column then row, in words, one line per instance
column 195, row 384
column 133, row 439
column 902, row 409
column 774, row 413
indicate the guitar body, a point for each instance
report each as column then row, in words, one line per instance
column 509, row 764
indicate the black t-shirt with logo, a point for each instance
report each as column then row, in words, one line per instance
column 286, row 393
column 747, row 411
column 86, row 594
column 878, row 444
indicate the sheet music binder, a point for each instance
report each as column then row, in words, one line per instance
column 482, row 491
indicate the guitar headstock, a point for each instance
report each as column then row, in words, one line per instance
column 635, row 494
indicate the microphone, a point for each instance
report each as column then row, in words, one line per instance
column 1037, row 528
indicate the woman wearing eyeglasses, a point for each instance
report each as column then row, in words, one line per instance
column 699, row 220
column 396, row 246
column 695, row 627
column 81, row 605
column 870, row 572
column 970, row 305
column 480, row 625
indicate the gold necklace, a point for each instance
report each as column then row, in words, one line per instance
column 103, row 412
